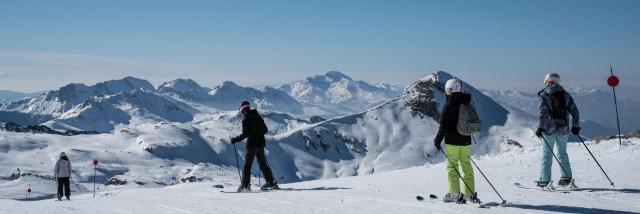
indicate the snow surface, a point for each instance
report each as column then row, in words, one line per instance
column 389, row 192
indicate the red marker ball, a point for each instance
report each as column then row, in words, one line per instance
column 95, row 162
column 613, row 81
column 29, row 190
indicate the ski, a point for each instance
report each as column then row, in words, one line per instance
column 261, row 190
column 546, row 189
column 252, row 191
column 434, row 199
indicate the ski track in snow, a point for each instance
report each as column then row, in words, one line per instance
column 388, row 192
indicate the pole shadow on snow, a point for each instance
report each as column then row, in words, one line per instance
column 567, row 209
column 631, row 191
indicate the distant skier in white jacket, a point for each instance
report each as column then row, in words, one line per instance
column 62, row 172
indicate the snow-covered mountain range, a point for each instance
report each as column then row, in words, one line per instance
column 336, row 94
column 180, row 131
column 104, row 106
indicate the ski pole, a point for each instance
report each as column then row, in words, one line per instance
column 485, row 177
column 259, row 175
column 594, row 158
column 460, row 176
column 554, row 156
column 613, row 81
column 235, row 151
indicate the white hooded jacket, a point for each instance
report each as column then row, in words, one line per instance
column 63, row 169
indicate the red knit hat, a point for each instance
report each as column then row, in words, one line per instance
column 244, row 106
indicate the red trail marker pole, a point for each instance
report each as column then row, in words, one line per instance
column 95, row 169
column 613, row 81
column 29, row 191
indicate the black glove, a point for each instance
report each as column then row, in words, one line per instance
column 233, row 140
column 575, row 130
column 539, row 132
column 437, row 145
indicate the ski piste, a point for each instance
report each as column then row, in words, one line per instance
column 435, row 199
column 549, row 188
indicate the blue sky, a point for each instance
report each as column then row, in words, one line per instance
column 491, row 44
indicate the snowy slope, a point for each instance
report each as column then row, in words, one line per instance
column 104, row 114
column 390, row 192
column 596, row 108
column 336, row 94
column 395, row 135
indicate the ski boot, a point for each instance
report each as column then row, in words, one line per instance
column 270, row 186
column 59, row 198
column 68, row 199
column 545, row 184
column 567, row 183
column 472, row 198
column 244, row 188
column 454, row 198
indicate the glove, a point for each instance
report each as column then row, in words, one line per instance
column 539, row 132
column 575, row 130
column 437, row 145
column 233, row 140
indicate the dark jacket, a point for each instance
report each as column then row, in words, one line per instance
column 449, row 121
column 254, row 129
column 556, row 126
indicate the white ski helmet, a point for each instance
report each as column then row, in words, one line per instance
column 453, row 85
column 555, row 77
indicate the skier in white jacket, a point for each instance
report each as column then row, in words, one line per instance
column 62, row 172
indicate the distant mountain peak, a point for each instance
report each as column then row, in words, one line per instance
column 180, row 85
column 337, row 76
column 228, row 83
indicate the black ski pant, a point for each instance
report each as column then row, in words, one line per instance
column 64, row 183
column 249, row 155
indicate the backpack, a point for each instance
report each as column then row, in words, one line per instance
column 559, row 111
column 468, row 121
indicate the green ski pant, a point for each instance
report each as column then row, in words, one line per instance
column 459, row 158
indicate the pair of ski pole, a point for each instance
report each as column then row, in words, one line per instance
column 235, row 151
column 586, row 147
column 477, row 167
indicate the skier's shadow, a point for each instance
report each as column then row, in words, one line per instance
column 37, row 198
column 567, row 209
column 314, row 189
column 631, row 191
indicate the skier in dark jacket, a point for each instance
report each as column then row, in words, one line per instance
column 555, row 107
column 253, row 129
column 457, row 146
column 62, row 173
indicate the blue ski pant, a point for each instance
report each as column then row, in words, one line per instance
column 560, row 141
